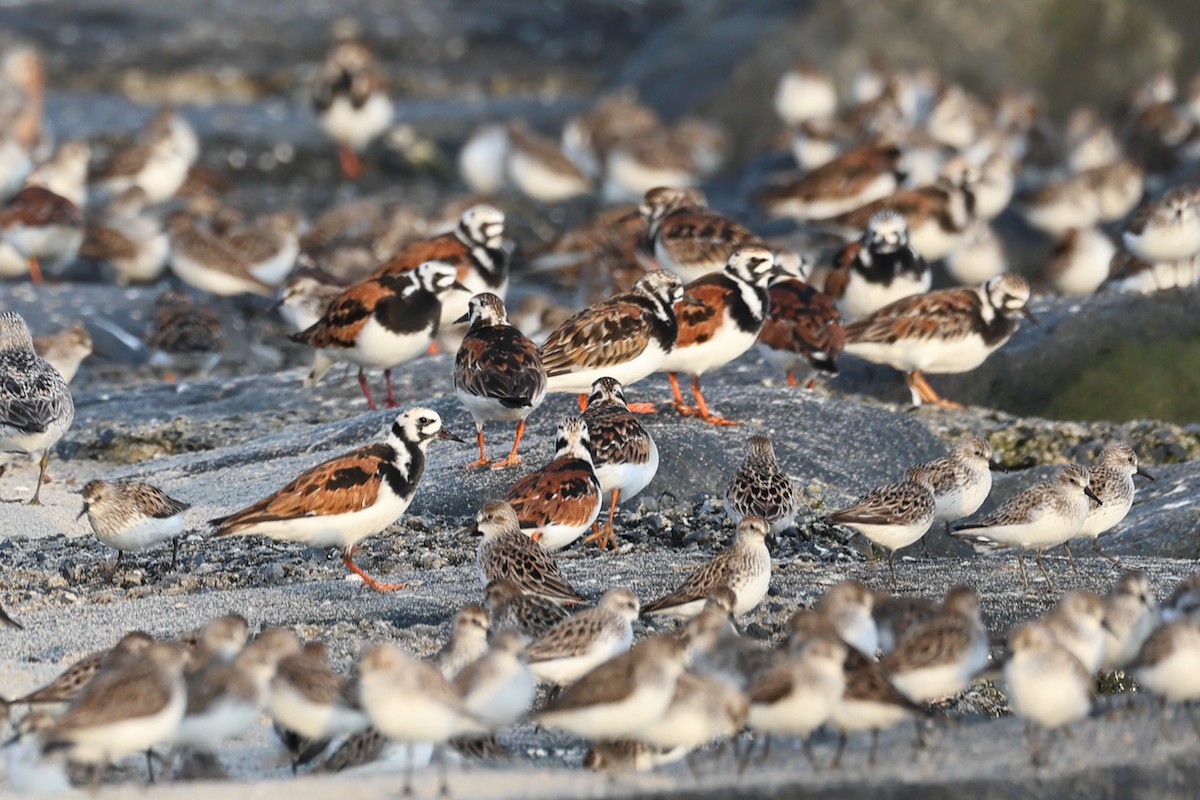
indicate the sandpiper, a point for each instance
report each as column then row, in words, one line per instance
column 131, row 516
column 512, row 609
column 507, row 553
column 892, row 516
column 584, row 640
column 1112, row 480
column 940, row 658
column 1045, row 684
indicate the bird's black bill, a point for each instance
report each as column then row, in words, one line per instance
column 1088, row 491
column 1146, row 474
column 445, row 434
column 1027, row 314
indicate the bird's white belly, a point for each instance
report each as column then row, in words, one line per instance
column 862, row 296
column 144, row 535
column 629, row 372
column 541, row 182
column 893, row 537
column 631, row 479
column 933, row 355
column 355, row 127
column 199, row 276
column 379, row 348
column 336, row 530
column 726, row 345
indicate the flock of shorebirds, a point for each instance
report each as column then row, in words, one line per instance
column 908, row 174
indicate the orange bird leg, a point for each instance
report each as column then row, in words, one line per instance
column 391, row 401
column 433, row 349
column 536, row 536
column 350, row 163
column 483, row 459
column 366, row 390
column 512, row 459
column 791, row 379
column 378, row 586
column 583, row 398
column 35, row 270
column 641, row 408
column 916, row 380
column 705, row 414
column 680, row 406
column 606, row 537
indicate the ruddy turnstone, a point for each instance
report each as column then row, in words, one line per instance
column 1112, row 480
column 960, row 481
column 350, row 99
column 859, row 176
column 132, row 242
column 805, row 92
column 1167, row 229
column 129, row 707
column 67, row 685
column 202, row 260
column 536, row 166
column 1045, row 684
column 184, row 335
column 878, row 269
column 307, row 696
column 802, row 332
column 512, row 609
column 624, row 454
column 892, row 516
column 585, row 639
column 507, row 553
column 944, row 331
column 475, row 248
column 468, row 640
column 383, row 322
column 498, row 688
column 744, row 568
column 65, row 350
column 719, row 319
column 848, row 608
column 688, row 238
column 131, row 516
column 797, row 696
column 1080, row 261
column 625, row 337
column 1045, row 515
column 304, row 301
column 1076, row 622
column 760, row 488
column 560, row 501
column 620, row 697
column 703, row 709
column 36, row 408
column 1130, row 616
column 498, row 374
column 46, row 229
column 869, row 702
column 940, row 658
column 340, row 502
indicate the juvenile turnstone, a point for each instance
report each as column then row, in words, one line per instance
column 512, row 609
column 944, row 331
column 1130, row 615
column 560, row 501
column 1076, row 622
column 538, row 169
column 184, row 335
column 797, row 696
column 304, row 301
column 131, row 516
column 203, row 261
column 688, row 238
column 625, row 337
column 1167, row 229
column 584, row 640
column 703, row 709
column 68, row 684
column 620, row 697
column 1080, row 261
column 498, row 688
column 36, row 408
column 1045, row 515
column 1044, row 683
column 892, row 516
column 350, row 99
column 878, row 269
column 869, row 703
column 719, row 319
column 744, row 568
column 940, row 658
column 498, row 374
column 1112, row 481
column 848, row 608
column 960, row 481
column 475, row 248
column 859, row 176
column 507, row 553
column 340, row 502
column 132, row 242
column 624, row 454
column 468, row 640
column 760, row 488
column 129, row 707
column 383, row 322
column 44, row 228
column 411, row 702
column 307, row 696
column 805, row 92
column 65, row 350
column 802, row 333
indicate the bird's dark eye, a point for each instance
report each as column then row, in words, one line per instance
column 424, row 420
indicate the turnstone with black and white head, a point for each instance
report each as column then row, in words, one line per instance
column 507, row 553
column 350, row 99
column 1112, row 480
column 1167, row 229
column 624, row 454
column 65, row 349
column 880, row 268
column 851, row 180
column 36, row 408
column 560, row 501
column 760, row 488
column 625, row 337
column 584, row 640
column 1045, row 515
column 803, row 330
column 960, row 481
column 892, row 516
column 383, row 322
column 944, row 331
column 340, row 502
column 719, row 318
column 687, row 237
column 498, row 374
column 744, row 568
column 45, row 228
column 131, row 516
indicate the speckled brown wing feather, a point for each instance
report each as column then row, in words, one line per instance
column 611, row 682
column 445, row 248
column 1159, row 645
column 865, row 682
column 611, row 332
column 698, row 585
column 347, row 314
column 570, row 637
column 339, row 486
column 502, row 363
column 35, row 206
column 934, row 643
column 102, row 243
column 945, row 314
column 526, row 564
column 138, row 689
column 888, row 504
column 617, row 435
column 565, row 491
column 312, row 677
column 702, row 310
column 803, row 320
column 915, row 205
column 69, row 683
column 127, row 162
column 698, row 235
